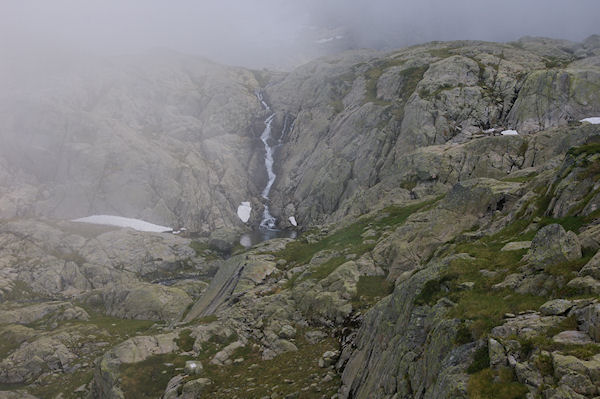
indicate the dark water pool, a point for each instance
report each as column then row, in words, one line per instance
column 254, row 237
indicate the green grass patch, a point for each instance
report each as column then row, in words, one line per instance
column 300, row 252
column 62, row 387
column 495, row 384
column 257, row 378
column 326, row 268
column 373, row 286
column 587, row 149
column 148, row 378
column 481, row 360
column 369, row 290
column 185, row 341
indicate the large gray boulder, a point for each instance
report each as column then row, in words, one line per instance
column 552, row 244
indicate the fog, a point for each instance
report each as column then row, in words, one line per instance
column 281, row 33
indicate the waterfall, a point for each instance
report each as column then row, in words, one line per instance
column 268, row 221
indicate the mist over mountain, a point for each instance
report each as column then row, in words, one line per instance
column 280, row 33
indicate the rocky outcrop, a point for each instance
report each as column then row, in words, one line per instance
column 403, row 348
column 552, row 244
column 359, row 117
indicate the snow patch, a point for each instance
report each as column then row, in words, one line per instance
column 120, row 221
column 509, row 133
column 329, row 39
column 243, row 211
column 246, row 241
column 594, row 120
column 293, row 221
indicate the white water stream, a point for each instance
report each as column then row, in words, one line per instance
column 268, row 221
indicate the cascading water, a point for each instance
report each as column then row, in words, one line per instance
column 268, row 221
column 267, row 229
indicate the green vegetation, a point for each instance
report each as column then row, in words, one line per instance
column 495, row 384
column 481, row 360
column 300, row 369
column 148, row 378
column 373, row 287
column 587, row 149
column 349, row 238
column 410, row 77
column 326, row 268
column 254, row 377
column 64, row 387
column 441, row 52
column 185, row 342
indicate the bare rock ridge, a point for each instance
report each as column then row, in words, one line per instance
column 439, row 258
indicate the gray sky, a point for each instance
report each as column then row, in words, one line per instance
column 266, row 32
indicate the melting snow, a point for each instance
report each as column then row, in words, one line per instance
column 246, row 241
column 293, row 221
column 243, row 211
column 509, row 133
column 119, row 221
column 593, row 121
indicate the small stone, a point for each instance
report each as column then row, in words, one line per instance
column 509, row 315
column 287, row 332
column 328, row 358
column 193, row 367
column 467, row 285
column 516, row 246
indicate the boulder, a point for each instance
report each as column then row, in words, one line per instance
column 585, row 285
column 592, row 268
column 193, row 367
column 551, row 245
column 556, row 307
column 223, row 356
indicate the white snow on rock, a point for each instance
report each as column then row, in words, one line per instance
column 119, row 221
column 509, row 133
column 293, row 221
column 246, row 241
column 243, row 211
column 593, row 120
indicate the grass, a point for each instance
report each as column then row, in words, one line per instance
column 148, row 378
column 285, row 374
column 185, row 342
column 587, row 149
column 370, row 289
column 300, row 252
column 325, row 269
column 62, row 387
column 495, row 384
column 481, row 360
column 250, row 377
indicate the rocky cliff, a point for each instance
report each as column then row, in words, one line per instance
column 439, row 257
